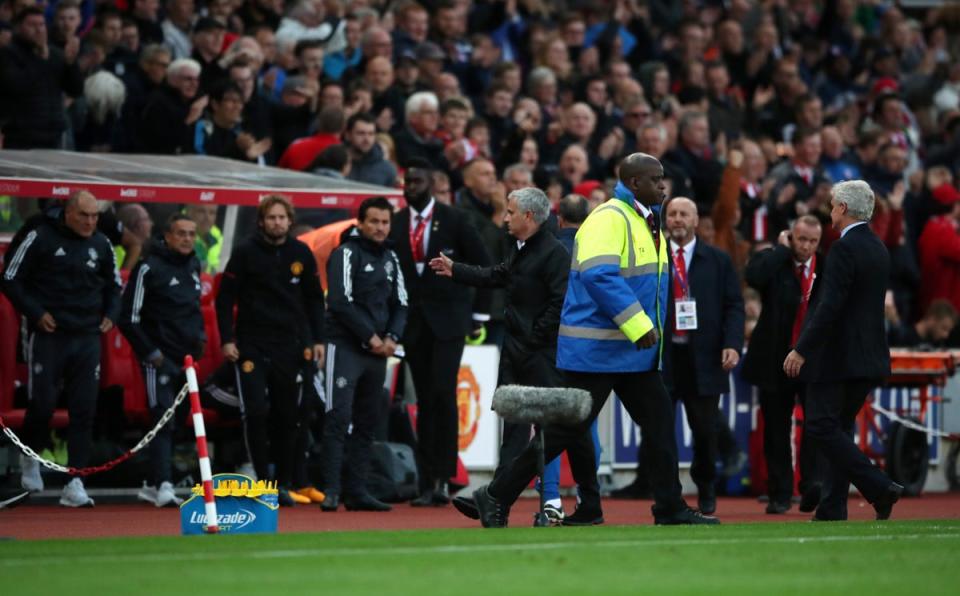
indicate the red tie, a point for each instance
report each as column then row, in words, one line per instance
column 416, row 239
column 806, row 283
column 680, row 291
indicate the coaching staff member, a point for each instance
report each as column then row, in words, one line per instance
column 610, row 339
column 439, row 318
column 842, row 353
column 789, row 277
column 161, row 319
column 63, row 279
column 272, row 279
column 367, row 314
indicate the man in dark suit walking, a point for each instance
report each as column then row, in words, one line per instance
column 705, row 337
column 842, row 353
column 440, row 315
column 787, row 278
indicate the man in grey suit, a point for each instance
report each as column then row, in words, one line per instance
column 842, row 353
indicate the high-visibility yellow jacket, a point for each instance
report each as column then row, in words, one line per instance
column 616, row 293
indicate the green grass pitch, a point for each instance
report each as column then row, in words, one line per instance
column 911, row 558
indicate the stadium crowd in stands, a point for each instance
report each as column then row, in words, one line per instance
column 503, row 94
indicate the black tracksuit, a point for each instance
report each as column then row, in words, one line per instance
column 56, row 271
column 161, row 316
column 367, row 297
column 280, row 311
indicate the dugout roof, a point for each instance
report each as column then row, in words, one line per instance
column 174, row 179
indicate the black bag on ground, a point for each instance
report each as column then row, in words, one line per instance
column 393, row 473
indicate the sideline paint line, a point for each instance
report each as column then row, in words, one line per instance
column 452, row 549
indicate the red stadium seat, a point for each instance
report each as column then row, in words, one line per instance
column 119, row 367
column 10, row 371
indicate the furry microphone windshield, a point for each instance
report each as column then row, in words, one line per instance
column 542, row 405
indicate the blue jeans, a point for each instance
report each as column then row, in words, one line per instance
column 551, row 472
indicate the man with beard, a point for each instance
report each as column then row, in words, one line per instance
column 272, row 280
column 161, row 319
column 439, row 318
column 366, row 155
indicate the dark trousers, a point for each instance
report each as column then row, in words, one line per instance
column 71, row 362
column 434, row 365
column 308, row 403
column 537, row 369
column 702, row 413
column 354, row 381
column 831, row 411
column 777, row 408
column 269, row 380
column 649, row 405
column 162, row 386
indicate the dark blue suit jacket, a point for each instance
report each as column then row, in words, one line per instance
column 844, row 338
column 720, row 318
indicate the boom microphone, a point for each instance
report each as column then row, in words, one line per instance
column 542, row 405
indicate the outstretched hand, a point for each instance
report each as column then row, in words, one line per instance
column 442, row 265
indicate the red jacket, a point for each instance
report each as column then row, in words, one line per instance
column 301, row 153
column 939, row 248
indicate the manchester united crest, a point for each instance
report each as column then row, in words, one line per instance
column 468, row 406
column 296, row 267
column 247, row 366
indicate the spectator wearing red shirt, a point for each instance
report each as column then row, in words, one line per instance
column 301, row 153
column 939, row 249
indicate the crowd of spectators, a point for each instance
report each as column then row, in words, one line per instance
column 501, row 94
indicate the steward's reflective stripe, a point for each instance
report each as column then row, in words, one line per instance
column 627, row 314
column 592, row 333
column 596, row 262
column 641, row 270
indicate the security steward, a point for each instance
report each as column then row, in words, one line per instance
column 367, row 314
column 63, row 280
column 161, row 319
column 610, row 339
column 534, row 275
column 272, row 280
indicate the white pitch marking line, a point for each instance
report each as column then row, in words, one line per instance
column 456, row 549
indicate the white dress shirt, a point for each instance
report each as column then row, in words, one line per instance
column 851, row 226
column 414, row 214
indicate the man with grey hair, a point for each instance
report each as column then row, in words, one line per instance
column 171, row 111
column 534, row 275
column 417, row 138
column 842, row 353
column 517, row 176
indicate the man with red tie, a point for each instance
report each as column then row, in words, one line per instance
column 786, row 277
column 440, row 315
column 704, row 338
column 801, row 187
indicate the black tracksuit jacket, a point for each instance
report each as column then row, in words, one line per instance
column 161, row 305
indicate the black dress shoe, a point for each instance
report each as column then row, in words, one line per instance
column 493, row 512
column 330, row 502
column 284, row 498
column 632, row 491
column 810, row 499
column 424, row 500
column 817, row 518
column 707, row 501
column 466, row 506
column 775, row 507
column 686, row 517
column 584, row 516
column 884, row 505
column 441, row 495
column 365, row 503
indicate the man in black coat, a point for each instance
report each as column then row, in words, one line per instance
column 843, row 354
column 34, row 76
column 534, row 275
column 704, row 337
column 438, row 320
column 786, row 277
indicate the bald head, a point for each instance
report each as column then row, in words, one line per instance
column 682, row 220
column 136, row 219
column 643, row 175
column 80, row 213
